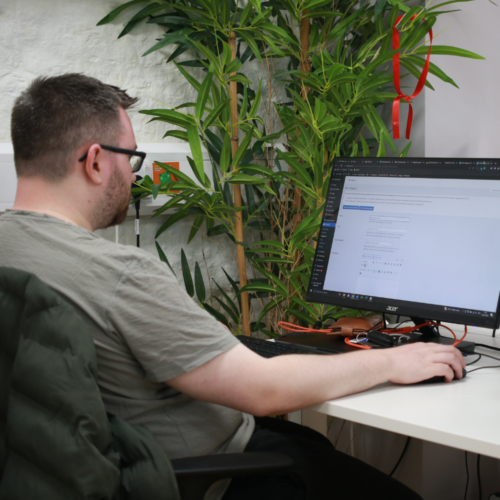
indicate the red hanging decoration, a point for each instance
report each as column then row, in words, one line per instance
column 397, row 79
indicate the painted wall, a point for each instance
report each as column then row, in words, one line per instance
column 464, row 122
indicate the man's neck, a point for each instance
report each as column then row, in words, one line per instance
column 36, row 195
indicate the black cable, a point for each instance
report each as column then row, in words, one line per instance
column 467, row 472
column 492, row 357
column 479, row 478
column 482, row 368
column 402, row 323
column 479, row 357
column 137, row 223
column 401, row 457
column 137, row 204
column 488, row 347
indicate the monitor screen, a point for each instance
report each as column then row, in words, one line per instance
column 418, row 237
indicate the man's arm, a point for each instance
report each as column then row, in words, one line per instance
column 243, row 380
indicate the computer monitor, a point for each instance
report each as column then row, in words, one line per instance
column 417, row 237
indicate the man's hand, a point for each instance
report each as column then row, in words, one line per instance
column 421, row 361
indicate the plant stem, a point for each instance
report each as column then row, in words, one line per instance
column 237, row 197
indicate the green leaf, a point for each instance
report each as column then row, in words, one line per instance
column 170, row 221
column 217, row 230
column 196, row 226
column 366, row 149
column 178, row 134
column 234, row 286
column 445, row 3
column 315, row 4
column 270, row 243
column 195, row 83
column 186, row 275
column 240, row 79
column 259, row 287
column 170, row 116
column 322, row 13
column 114, row 13
column 433, row 69
column 168, row 40
column 225, row 155
column 304, row 304
column 228, row 310
column 238, row 178
column 199, row 283
column 245, row 15
column 195, row 145
column 381, row 149
column 233, row 66
column 270, row 306
column 244, row 103
column 203, row 180
column 250, row 41
column 155, row 189
column 203, row 94
column 256, row 170
column 445, row 50
column 414, row 71
column 216, row 314
column 250, row 198
column 235, row 312
column 242, row 148
column 163, row 257
column 256, row 102
column 140, row 16
column 214, row 114
column 405, row 150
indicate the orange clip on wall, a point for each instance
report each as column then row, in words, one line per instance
column 160, row 175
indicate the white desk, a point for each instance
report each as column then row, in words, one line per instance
column 463, row 414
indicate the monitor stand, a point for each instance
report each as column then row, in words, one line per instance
column 430, row 334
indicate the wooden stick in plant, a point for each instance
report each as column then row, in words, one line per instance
column 245, row 310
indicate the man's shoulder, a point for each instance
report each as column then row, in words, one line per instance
column 71, row 245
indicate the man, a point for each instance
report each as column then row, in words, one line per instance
column 163, row 362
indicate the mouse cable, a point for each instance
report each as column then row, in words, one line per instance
column 401, row 457
column 476, row 360
column 492, row 357
column 482, row 368
column 467, row 473
column 488, row 347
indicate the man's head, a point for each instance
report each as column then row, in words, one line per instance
column 58, row 126
column 56, row 116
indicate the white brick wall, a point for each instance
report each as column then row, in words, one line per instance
column 50, row 37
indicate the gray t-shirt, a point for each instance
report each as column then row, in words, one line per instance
column 146, row 329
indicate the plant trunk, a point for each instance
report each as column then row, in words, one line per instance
column 245, row 309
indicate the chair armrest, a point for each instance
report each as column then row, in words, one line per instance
column 196, row 474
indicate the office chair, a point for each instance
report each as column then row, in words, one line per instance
column 56, row 440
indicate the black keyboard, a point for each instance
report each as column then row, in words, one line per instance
column 270, row 349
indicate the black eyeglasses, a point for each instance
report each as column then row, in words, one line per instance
column 135, row 164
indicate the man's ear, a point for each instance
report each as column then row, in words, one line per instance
column 94, row 164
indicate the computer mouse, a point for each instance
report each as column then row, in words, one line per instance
column 433, row 380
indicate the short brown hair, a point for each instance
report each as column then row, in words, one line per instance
column 55, row 116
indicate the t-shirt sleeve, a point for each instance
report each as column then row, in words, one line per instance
column 166, row 331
